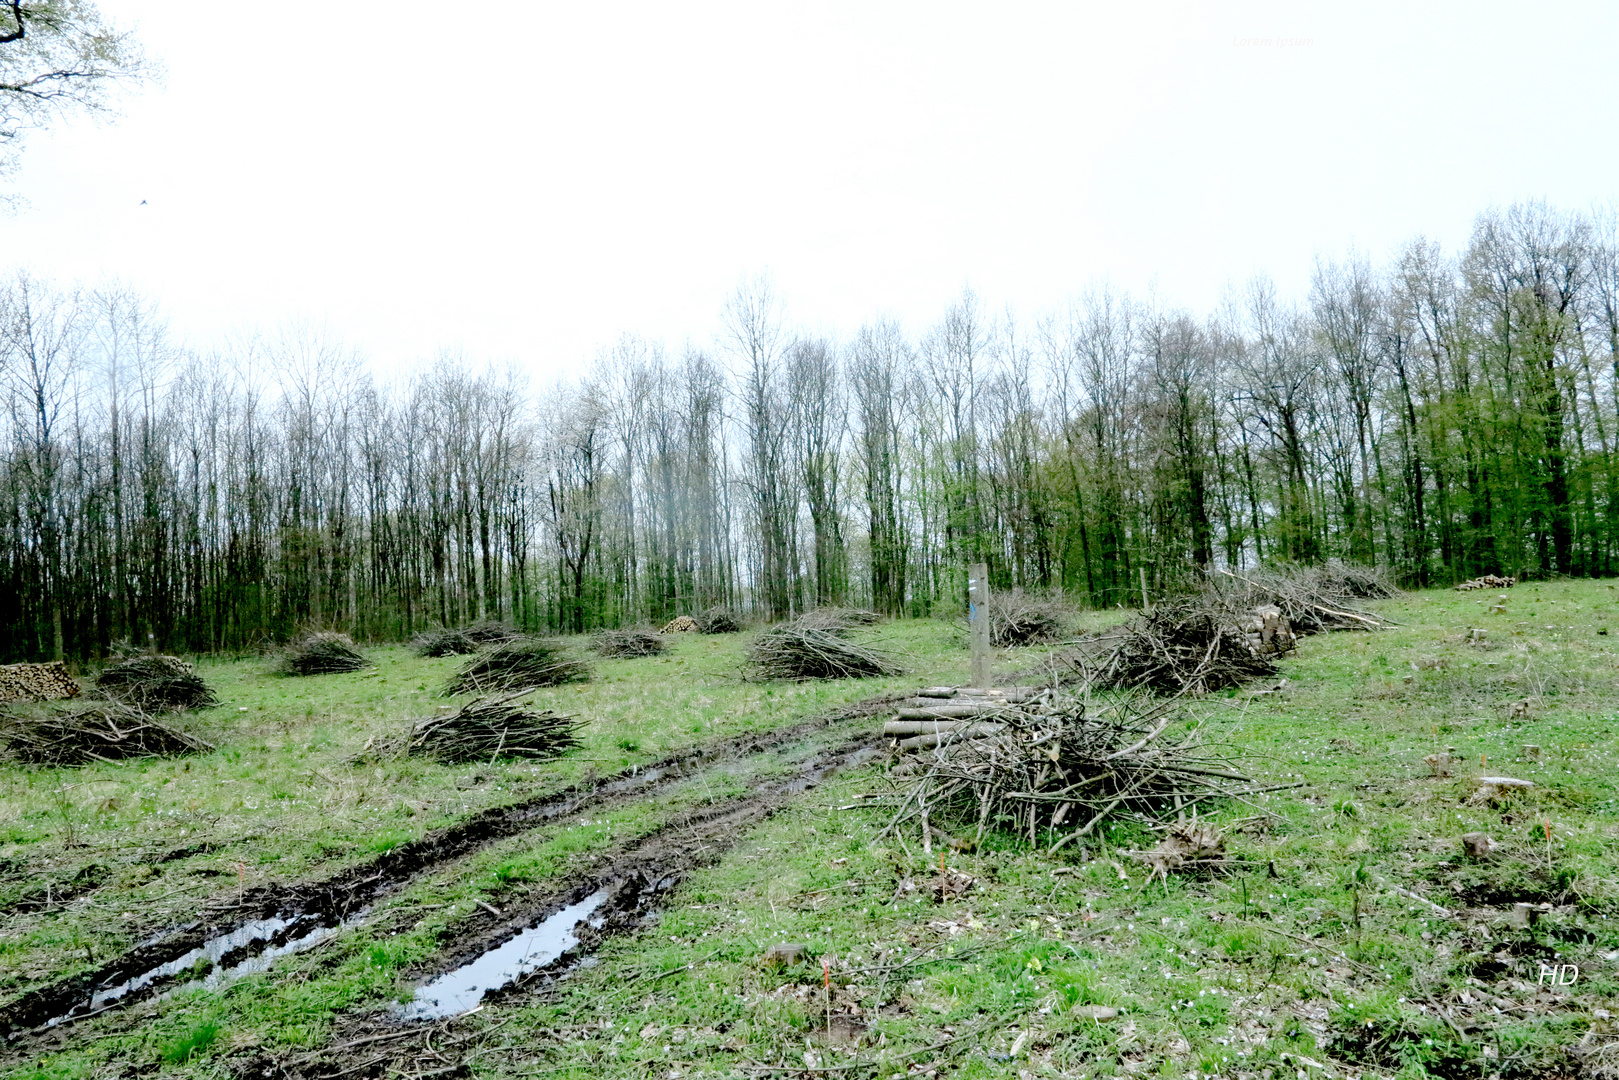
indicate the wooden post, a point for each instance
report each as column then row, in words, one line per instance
column 1145, row 607
column 978, row 620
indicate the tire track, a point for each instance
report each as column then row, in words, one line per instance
column 275, row 919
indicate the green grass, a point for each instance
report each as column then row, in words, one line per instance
column 1243, row 975
column 291, row 793
column 195, row 1042
column 1309, row 954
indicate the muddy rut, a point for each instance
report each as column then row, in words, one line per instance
column 248, row 933
column 549, row 934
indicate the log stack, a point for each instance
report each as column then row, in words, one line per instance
column 1488, row 581
column 1267, row 631
column 944, row 714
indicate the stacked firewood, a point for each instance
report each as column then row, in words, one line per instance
column 940, row 715
column 1268, row 631
column 1488, row 581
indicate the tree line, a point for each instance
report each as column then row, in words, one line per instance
column 1443, row 415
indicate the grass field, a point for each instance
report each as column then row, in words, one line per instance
column 1355, row 937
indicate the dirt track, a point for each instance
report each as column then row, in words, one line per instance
column 253, row 928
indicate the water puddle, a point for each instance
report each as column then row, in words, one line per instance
column 245, row 950
column 463, row 989
column 459, row 991
column 181, row 958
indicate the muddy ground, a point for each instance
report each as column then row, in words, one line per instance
column 243, row 933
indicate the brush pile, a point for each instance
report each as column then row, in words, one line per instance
column 1190, row 645
column 487, row 729
column 626, row 644
column 1488, row 581
column 464, row 640
column 1049, row 767
column 798, row 652
column 1350, row 581
column 97, row 732
column 1016, row 618
column 837, row 620
column 1315, row 599
column 156, row 684
column 322, row 654
column 718, row 620
column 517, row 665
column 1228, row 633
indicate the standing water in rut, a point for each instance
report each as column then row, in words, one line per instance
column 461, row 990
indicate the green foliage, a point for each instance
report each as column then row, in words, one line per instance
column 194, row 1043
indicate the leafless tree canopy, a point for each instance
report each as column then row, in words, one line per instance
column 1443, row 417
column 58, row 58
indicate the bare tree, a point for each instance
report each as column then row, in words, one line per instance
column 1279, row 378
column 953, row 360
column 572, row 487
column 1347, row 305
column 878, row 371
column 57, row 58
column 1526, row 269
column 1100, row 345
column 1178, row 371
column 754, row 334
column 625, row 376
column 41, row 338
column 819, row 419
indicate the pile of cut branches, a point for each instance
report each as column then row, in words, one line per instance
column 101, row 731
column 1052, row 767
column 837, row 620
column 625, row 644
column 517, row 665
column 1229, row 632
column 1313, row 599
column 1017, row 618
column 322, row 654
column 1190, row 645
column 156, row 683
column 487, row 729
column 464, row 640
column 718, row 620
column 1352, row 581
column 795, row 651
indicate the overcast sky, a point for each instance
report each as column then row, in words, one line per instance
column 527, row 180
